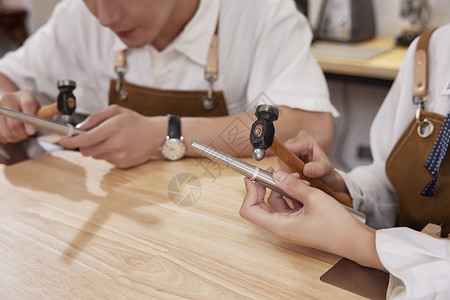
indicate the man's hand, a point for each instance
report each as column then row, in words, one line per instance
column 120, row 136
column 12, row 131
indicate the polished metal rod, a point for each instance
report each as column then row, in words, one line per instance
column 64, row 130
column 251, row 172
column 248, row 170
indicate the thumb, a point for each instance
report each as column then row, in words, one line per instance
column 292, row 186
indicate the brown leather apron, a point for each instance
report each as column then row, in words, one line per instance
column 154, row 102
column 405, row 166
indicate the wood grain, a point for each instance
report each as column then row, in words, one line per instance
column 75, row 227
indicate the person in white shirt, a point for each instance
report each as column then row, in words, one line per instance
column 264, row 57
column 418, row 264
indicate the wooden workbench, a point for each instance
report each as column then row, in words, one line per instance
column 75, row 227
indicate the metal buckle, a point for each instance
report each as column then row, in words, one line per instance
column 422, row 130
column 208, row 100
column 119, row 88
column 425, row 127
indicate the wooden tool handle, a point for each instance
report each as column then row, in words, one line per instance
column 296, row 165
column 47, row 112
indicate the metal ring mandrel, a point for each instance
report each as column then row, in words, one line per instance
column 248, row 170
column 64, row 130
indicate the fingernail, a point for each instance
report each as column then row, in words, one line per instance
column 279, row 176
column 79, row 125
column 29, row 129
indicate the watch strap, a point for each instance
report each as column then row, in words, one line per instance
column 174, row 131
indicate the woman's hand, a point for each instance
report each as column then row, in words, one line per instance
column 317, row 164
column 320, row 222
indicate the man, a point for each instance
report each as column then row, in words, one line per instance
column 263, row 57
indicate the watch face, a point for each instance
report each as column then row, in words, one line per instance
column 173, row 149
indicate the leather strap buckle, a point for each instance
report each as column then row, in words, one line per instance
column 121, row 68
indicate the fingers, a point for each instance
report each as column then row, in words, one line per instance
column 120, row 136
column 253, row 208
column 317, row 169
column 302, row 145
column 29, row 105
column 12, row 131
column 317, row 164
column 292, row 186
column 87, row 139
column 278, row 203
column 101, row 126
column 275, row 200
column 96, row 119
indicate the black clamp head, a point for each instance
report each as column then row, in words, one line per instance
column 263, row 131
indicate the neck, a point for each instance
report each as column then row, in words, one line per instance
column 182, row 13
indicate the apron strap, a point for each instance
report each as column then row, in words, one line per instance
column 212, row 69
column 212, row 62
column 421, row 65
column 120, row 68
column 440, row 146
column 438, row 152
column 121, row 61
column 420, row 89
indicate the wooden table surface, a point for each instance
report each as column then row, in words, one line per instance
column 382, row 66
column 75, row 227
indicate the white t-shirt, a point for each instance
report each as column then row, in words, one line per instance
column 264, row 56
column 419, row 265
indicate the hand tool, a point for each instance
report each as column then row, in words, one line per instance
column 251, row 172
column 262, row 137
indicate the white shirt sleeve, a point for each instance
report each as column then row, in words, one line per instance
column 418, row 263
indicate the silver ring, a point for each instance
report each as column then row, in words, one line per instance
column 255, row 174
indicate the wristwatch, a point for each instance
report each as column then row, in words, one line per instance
column 173, row 147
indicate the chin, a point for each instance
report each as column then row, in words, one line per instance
column 134, row 44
